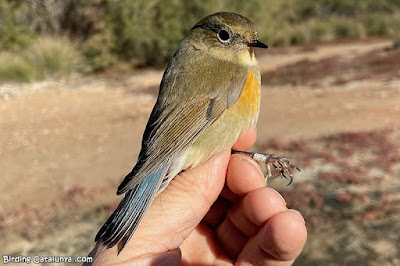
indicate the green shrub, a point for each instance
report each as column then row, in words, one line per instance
column 395, row 32
column 14, row 34
column 278, row 39
column 46, row 57
column 376, row 24
column 346, row 28
column 298, row 36
column 98, row 51
column 52, row 57
column 320, row 31
column 13, row 67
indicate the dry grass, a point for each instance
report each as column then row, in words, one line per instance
column 46, row 57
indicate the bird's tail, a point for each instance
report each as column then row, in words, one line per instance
column 123, row 222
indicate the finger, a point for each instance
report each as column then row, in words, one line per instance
column 217, row 212
column 246, row 139
column 279, row 242
column 255, row 210
column 197, row 249
column 230, row 238
column 246, row 217
column 220, row 207
column 262, row 204
column 237, row 171
column 228, row 195
column 244, row 175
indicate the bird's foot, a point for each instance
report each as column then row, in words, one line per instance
column 281, row 165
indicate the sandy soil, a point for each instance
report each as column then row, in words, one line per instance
column 67, row 144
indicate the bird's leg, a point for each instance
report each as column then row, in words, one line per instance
column 282, row 165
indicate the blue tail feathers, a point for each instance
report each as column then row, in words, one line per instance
column 123, row 222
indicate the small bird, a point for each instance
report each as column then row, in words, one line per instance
column 209, row 94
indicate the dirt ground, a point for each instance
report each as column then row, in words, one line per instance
column 66, row 145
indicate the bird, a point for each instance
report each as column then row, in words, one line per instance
column 209, row 93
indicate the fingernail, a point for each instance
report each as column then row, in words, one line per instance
column 256, row 165
column 298, row 214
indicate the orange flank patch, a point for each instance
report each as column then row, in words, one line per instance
column 250, row 98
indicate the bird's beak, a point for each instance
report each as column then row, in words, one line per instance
column 257, row 43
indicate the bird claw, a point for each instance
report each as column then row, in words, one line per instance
column 282, row 165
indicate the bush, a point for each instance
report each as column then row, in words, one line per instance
column 46, row 57
column 376, row 24
column 14, row 35
column 395, row 33
column 345, row 28
column 98, row 51
column 320, row 31
column 52, row 57
column 13, row 67
column 299, row 36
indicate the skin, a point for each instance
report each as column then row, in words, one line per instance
column 228, row 217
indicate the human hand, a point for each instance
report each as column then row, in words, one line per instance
column 220, row 212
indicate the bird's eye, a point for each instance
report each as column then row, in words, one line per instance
column 223, row 36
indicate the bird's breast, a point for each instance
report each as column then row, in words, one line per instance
column 223, row 133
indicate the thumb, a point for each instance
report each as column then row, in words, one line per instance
column 187, row 199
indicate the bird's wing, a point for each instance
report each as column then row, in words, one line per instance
column 176, row 122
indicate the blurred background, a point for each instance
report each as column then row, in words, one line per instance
column 78, row 80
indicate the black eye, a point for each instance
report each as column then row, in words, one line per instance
column 223, row 35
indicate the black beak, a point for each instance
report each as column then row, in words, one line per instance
column 258, row 44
